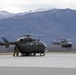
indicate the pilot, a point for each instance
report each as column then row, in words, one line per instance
column 16, row 52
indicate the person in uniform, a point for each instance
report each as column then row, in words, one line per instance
column 16, row 52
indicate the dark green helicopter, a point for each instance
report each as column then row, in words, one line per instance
column 26, row 46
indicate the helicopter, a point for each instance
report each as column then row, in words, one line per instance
column 26, row 45
column 64, row 43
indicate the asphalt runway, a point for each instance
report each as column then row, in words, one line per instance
column 37, row 71
column 50, row 64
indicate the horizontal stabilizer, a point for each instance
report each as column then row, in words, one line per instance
column 6, row 42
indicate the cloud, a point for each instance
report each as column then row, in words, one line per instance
column 22, row 5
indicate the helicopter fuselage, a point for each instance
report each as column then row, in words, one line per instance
column 66, row 44
column 30, row 47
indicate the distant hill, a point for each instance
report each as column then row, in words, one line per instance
column 53, row 24
column 5, row 14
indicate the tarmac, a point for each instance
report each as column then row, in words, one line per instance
column 50, row 64
column 37, row 71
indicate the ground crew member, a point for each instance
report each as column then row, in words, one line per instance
column 16, row 51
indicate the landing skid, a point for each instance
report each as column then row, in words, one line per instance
column 33, row 54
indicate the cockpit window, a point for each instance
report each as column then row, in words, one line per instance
column 29, row 43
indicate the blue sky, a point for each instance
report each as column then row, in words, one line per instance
column 16, row 6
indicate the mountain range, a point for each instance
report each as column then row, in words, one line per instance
column 5, row 14
column 48, row 24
